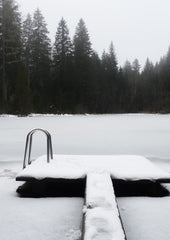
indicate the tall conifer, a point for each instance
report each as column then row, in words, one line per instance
column 27, row 38
column 11, row 48
column 40, row 66
column 82, row 56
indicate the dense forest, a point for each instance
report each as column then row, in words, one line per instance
column 68, row 76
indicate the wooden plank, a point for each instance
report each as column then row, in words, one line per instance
column 101, row 214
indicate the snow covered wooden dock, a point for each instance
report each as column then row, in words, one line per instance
column 94, row 178
column 120, row 167
column 65, row 175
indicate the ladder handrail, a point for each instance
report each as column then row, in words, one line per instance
column 28, row 146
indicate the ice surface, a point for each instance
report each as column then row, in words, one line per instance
column 36, row 218
column 132, row 134
column 145, row 218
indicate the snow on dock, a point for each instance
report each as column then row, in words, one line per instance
column 125, row 167
column 101, row 215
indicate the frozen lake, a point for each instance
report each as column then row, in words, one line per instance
column 141, row 134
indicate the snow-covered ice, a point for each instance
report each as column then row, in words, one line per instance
column 36, row 218
column 133, row 134
column 145, row 218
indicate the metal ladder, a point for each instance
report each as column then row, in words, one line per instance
column 28, row 146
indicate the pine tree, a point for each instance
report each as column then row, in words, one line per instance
column 83, row 67
column 127, row 68
column 63, row 48
column 22, row 101
column 63, row 69
column 135, row 83
column 2, row 77
column 11, row 47
column 136, row 66
column 27, row 28
column 82, row 44
column 128, row 75
column 167, row 73
column 112, row 59
column 110, row 71
column 40, row 65
column 96, row 83
column 165, row 83
column 148, row 86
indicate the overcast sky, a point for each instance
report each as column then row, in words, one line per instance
column 138, row 28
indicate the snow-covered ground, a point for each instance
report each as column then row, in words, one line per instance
column 144, row 218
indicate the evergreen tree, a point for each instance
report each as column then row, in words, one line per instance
column 27, row 36
column 148, row 86
column 135, row 82
column 3, row 96
column 11, row 48
column 149, row 67
column 112, row 59
column 78, row 80
column 63, row 69
column 127, row 68
column 109, row 62
column 40, row 65
column 167, row 73
column 96, row 84
column 123, row 92
column 22, row 102
column 136, row 67
column 162, row 77
column 82, row 44
column 128, row 76
column 110, row 70
column 62, row 47
column 82, row 56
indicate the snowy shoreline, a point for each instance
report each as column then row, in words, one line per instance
column 83, row 114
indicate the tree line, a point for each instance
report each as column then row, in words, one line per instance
column 69, row 76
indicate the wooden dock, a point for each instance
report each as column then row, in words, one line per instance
column 99, row 179
column 65, row 175
column 120, row 167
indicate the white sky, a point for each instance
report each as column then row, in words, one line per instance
column 138, row 28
